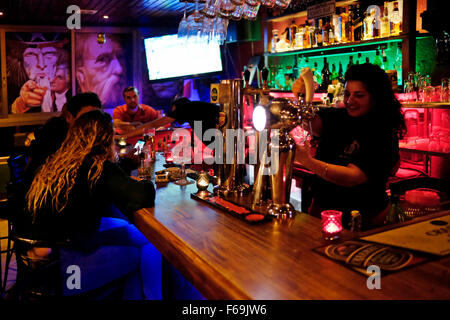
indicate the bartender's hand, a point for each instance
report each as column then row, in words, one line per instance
column 298, row 87
column 303, row 153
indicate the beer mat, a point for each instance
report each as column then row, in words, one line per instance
column 431, row 236
column 359, row 255
column 233, row 209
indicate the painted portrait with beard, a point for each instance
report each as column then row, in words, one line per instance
column 103, row 68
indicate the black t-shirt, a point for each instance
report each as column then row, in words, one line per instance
column 207, row 113
column 48, row 139
column 81, row 217
column 362, row 142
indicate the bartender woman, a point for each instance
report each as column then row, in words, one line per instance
column 357, row 147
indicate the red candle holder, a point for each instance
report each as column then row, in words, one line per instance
column 331, row 224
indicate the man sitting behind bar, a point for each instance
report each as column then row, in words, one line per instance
column 132, row 114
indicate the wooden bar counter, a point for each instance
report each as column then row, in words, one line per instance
column 226, row 258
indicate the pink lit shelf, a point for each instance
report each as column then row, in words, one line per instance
column 427, row 152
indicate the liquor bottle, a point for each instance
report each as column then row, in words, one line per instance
column 384, row 65
column 331, row 34
column 396, row 20
column 345, row 29
column 334, row 73
column 337, row 25
column 378, row 61
column 355, row 224
column 384, row 30
column 350, row 62
column 274, row 40
column 295, row 72
column 317, row 75
column 326, row 75
column 367, row 26
column 312, row 36
column 340, row 73
column 367, row 60
column 293, row 30
column 358, row 60
column 325, row 29
column 396, row 213
column 318, row 33
column 375, row 24
column 357, row 23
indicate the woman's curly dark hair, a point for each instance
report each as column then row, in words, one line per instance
column 387, row 108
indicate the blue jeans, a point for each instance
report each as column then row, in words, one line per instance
column 119, row 251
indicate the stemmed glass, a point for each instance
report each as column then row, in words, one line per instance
column 182, row 27
column 226, row 8
column 268, row 3
column 181, row 159
column 283, row 4
column 211, row 8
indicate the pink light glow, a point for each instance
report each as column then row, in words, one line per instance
column 331, row 222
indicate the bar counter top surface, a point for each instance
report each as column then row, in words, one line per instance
column 227, row 258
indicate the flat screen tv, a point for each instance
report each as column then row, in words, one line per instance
column 169, row 57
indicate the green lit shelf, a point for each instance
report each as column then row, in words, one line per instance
column 430, row 105
column 347, row 47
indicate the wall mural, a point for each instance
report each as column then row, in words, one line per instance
column 38, row 71
column 106, row 68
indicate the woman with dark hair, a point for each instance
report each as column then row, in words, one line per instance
column 65, row 201
column 357, row 148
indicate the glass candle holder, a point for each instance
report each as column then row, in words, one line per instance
column 331, row 224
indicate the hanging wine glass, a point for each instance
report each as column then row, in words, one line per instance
column 211, row 8
column 226, row 8
column 252, row 3
column 283, row 4
column 197, row 16
column 268, row 3
column 237, row 13
column 207, row 29
column 250, row 12
column 182, row 27
column 194, row 28
column 220, row 30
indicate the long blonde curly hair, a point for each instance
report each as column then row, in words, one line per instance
column 88, row 141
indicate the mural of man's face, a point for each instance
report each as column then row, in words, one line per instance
column 101, row 72
column 40, row 63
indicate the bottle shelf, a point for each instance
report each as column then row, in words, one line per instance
column 304, row 13
column 429, row 105
column 339, row 48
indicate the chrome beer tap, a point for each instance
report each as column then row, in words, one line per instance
column 283, row 115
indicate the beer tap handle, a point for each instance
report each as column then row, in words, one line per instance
column 247, row 77
column 265, row 77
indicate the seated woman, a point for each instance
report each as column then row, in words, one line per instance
column 66, row 199
column 357, row 147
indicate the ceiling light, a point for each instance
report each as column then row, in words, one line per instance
column 105, row 17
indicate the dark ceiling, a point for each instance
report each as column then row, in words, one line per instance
column 120, row 12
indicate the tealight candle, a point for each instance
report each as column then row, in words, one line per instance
column 202, row 181
column 331, row 224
